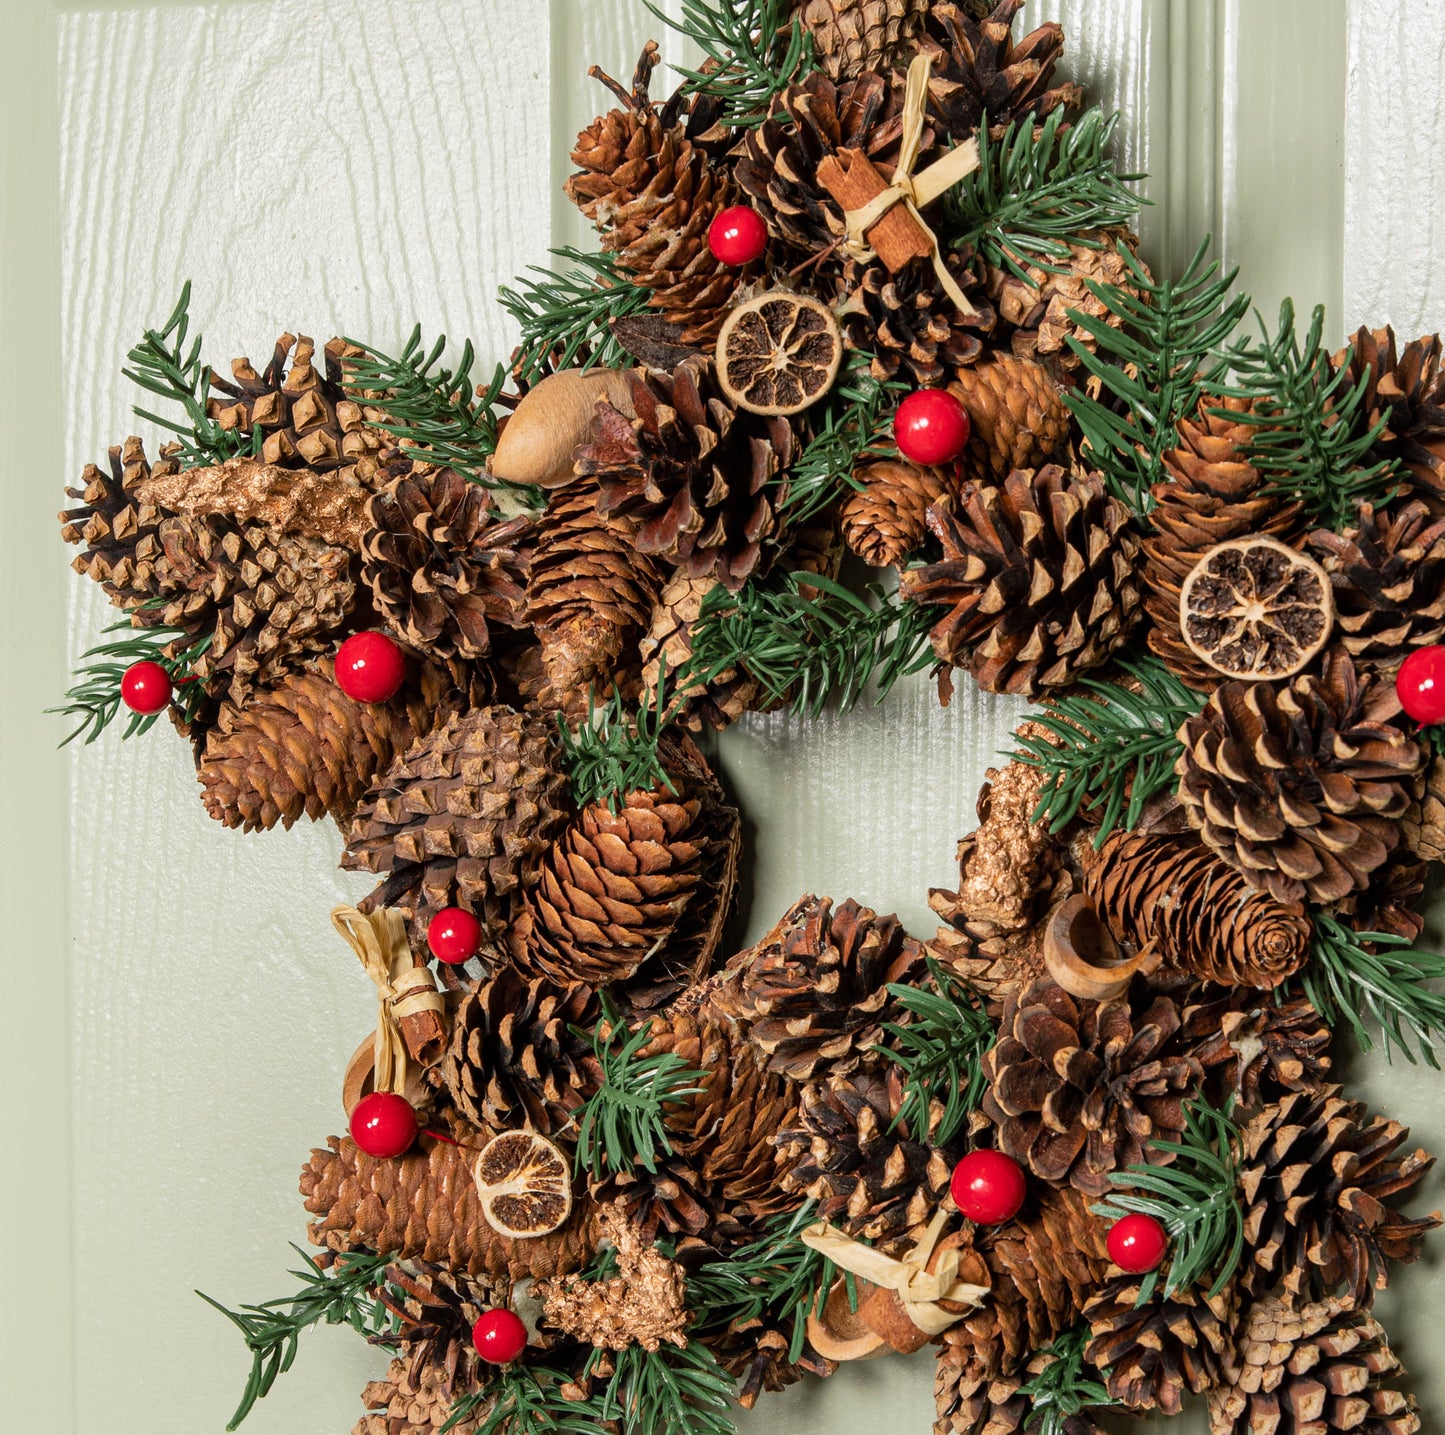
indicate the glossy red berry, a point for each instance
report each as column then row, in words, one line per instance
column 384, row 1125
column 499, row 1336
column 454, row 935
column 988, row 1187
column 369, row 667
column 931, row 427
column 145, row 688
column 1421, row 684
column 1137, row 1244
column 737, row 236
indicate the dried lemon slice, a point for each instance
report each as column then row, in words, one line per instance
column 779, row 353
column 524, row 1183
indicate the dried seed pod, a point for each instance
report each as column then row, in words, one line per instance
column 536, row 443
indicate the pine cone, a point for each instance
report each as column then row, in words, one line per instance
column 1321, row 1366
column 1080, row 1089
column 412, row 1400
column 1203, row 916
column 1156, row 1351
column 1299, row 787
column 464, row 817
column 970, row 1401
column 1017, row 417
column 1318, row 1176
column 425, row 1206
column 514, row 1059
column 1258, row 1048
column 860, row 37
column 887, row 519
column 1391, row 901
column 1037, row 577
column 695, row 474
column 1423, row 824
column 813, row 994
column 434, row 1311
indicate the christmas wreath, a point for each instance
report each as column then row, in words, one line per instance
column 866, row 298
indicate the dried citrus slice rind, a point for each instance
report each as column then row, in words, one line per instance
column 779, row 353
column 1254, row 608
column 525, row 1184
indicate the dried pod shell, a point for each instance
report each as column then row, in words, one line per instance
column 553, row 418
column 1083, row 957
column 839, row 1333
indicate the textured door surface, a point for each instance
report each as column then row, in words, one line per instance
column 355, row 166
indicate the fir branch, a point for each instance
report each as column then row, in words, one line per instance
column 342, row 1296
column 559, row 314
column 614, row 752
column 1312, row 439
column 753, row 49
column 1036, row 191
column 1355, row 976
column 95, row 699
column 668, row 1391
column 940, row 1052
column 1153, row 369
column 1115, row 749
column 623, row 1123
column 161, row 364
column 526, row 1400
column 1196, row 1200
column 1062, row 1389
column 807, row 639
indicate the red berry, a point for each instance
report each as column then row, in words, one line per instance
column 988, row 1187
column 145, row 688
column 454, row 935
column 931, row 427
column 369, row 667
column 737, row 236
column 499, row 1336
column 1421, row 684
column 1137, row 1244
column 383, row 1125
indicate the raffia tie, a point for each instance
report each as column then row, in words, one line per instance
column 919, row 1289
column 914, row 191
column 402, row 988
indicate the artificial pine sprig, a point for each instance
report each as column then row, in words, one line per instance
column 753, row 49
column 560, row 314
column 673, row 1390
column 940, row 1052
column 1064, row 1387
column 1039, row 189
column 1354, row 976
column 1153, row 369
column 1196, row 1200
column 527, row 1400
column 344, row 1295
column 1113, row 750
column 623, row 1124
column 615, row 752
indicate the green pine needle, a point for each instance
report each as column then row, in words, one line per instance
column 940, row 1052
column 753, row 50
column 1116, row 749
column 1064, row 1387
column 1362, row 977
column 623, row 1124
column 668, row 1391
column 1196, row 1200
column 614, row 752
column 1038, row 190
column 560, row 314
column 526, row 1400
column 344, row 1295
column 1152, row 370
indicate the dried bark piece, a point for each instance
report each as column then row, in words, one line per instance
column 779, row 353
column 524, row 1183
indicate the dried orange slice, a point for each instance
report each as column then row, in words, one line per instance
column 1253, row 608
column 779, row 353
column 525, row 1184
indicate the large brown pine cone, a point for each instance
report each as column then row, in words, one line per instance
column 413, row 1399
column 1081, row 1089
column 514, row 1059
column 1256, row 1047
column 1320, row 1366
column 861, row 37
column 464, row 817
column 813, row 994
column 1037, row 578
column 1319, row 1178
column 697, row 476
column 1017, row 418
column 1300, row 787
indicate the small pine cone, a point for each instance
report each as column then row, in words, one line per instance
column 887, row 519
column 970, row 1401
column 1258, row 1048
column 464, row 817
column 514, row 1058
column 869, row 1177
column 1423, row 823
column 1388, row 576
column 1202, row 915
column 1321, row 1366
column 1300, row 787
column 1016, row 416
column 1037, row 578
column 1392, row 900
column 424, row 1206
column 434, row 1311
column 1153, row 1353
column 861, row 37
column 1318, row 1174
column 1081, row 1089
column 413, row 1399
column 813, row 994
